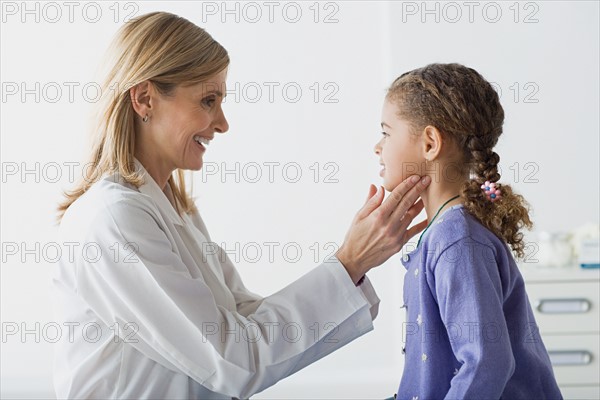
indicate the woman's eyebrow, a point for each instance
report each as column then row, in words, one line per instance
column 383, row 124
column 217, row 92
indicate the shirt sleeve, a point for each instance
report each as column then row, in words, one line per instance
column 468, row 290
column 180, row 326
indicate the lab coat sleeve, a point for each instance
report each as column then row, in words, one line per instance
column 180, row 326
column 469, row 294
column 247, row 301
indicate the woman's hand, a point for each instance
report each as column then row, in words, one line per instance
column 379, row 231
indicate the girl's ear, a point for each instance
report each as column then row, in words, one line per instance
column 432, row 142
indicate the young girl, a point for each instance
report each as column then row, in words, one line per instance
column 470, row 330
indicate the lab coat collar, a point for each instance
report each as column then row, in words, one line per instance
column 151, row 188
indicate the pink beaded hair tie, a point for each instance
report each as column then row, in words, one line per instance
column 491, row 192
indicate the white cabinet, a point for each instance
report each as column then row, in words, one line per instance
column 566, row 304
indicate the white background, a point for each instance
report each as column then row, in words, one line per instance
column 542, row 56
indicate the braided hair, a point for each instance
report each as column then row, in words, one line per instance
column 466, row 109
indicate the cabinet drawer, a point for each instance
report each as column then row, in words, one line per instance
column 570, row 307
column 574, row 358
column 580, row 392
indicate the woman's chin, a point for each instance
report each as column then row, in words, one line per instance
column 194, row 165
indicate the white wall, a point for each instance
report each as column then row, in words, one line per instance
column 357, row 56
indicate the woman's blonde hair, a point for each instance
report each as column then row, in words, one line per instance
column 166, row 50
column 466, row 109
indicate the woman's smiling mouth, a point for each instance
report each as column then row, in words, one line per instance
column 202, row 141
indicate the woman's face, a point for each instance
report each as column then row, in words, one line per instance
column 178, row 121
column 399, row 151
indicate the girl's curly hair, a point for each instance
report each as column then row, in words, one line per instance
column 466, row 109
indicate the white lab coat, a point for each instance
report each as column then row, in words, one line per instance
column 151, row 308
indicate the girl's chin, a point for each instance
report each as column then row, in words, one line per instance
column 389, row 185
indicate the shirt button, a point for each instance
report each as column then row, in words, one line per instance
column 416, row 271
column 405, row 258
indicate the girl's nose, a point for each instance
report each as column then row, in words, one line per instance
column 377, row 148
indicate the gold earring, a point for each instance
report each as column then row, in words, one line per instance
column 145, row 119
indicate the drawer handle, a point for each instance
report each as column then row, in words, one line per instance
column 563, row 306
column 570, row 357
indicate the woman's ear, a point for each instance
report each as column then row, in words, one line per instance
column 432, row 143
column 141, row 98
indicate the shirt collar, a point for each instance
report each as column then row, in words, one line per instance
column 415, row 253
column 151, row 188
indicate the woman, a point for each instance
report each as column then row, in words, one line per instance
column 157, row 310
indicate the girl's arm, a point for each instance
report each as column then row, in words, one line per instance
column 470, row 298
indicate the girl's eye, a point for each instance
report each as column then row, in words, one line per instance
column 385, row 134
column 209, row 101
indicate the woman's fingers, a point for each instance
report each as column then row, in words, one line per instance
column 372, row 191
column 408, row 199
column 398, row 225
column 403, row 196
column 375, row 237
column 373, row 201
column 415, row 229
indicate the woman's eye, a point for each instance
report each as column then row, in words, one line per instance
column 209, row 101
column 385, row 134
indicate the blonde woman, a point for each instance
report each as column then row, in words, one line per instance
column 151, row 313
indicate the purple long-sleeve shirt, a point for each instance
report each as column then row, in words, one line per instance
column 470, row 332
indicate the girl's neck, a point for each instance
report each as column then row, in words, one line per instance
column 437, row 194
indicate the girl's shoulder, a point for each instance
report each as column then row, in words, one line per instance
column 460, row 246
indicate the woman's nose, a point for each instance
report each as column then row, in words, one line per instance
column 221, row 124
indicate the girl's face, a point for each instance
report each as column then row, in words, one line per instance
column 400, row 152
